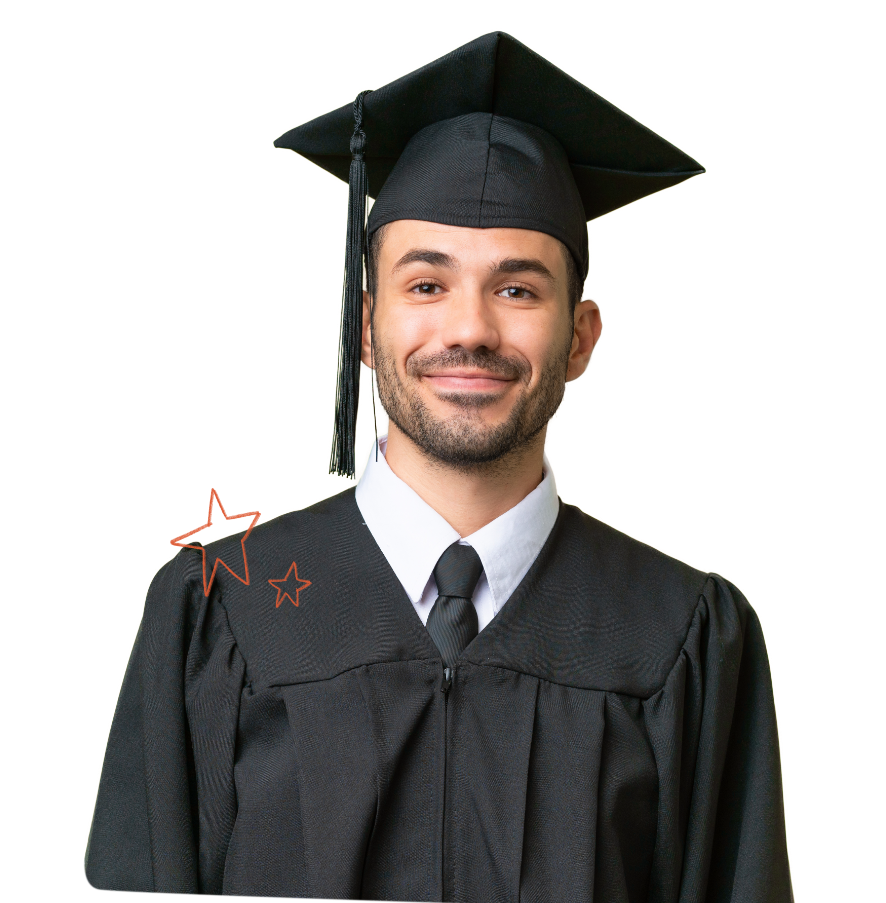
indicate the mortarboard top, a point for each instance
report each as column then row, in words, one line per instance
column 491, row 134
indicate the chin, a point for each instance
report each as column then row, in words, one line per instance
column 451, row 403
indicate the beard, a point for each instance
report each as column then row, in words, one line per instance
column 462, row 440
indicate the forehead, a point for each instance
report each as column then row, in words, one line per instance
column 470, row 246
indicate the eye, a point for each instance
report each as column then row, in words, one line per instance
column 426, row 288
column 516, row 292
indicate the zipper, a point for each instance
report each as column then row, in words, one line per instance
column 445, row 686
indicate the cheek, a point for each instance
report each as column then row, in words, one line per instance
column 407, row 330
column 536, row 336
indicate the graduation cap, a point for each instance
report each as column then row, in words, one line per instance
column 490, row 135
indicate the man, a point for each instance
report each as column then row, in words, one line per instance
column 471, row 691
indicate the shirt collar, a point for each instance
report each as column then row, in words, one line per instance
column 412, row 536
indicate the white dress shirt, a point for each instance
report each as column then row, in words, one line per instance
column 412, row 537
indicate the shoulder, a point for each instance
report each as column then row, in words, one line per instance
column 639, row 572
column 178, row 573
column 658, row 602
column 314, row 527
column 192, row 568
column 602, row 610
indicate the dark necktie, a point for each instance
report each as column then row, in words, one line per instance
column 452, row 622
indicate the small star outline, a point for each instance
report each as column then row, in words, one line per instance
column 283, row 593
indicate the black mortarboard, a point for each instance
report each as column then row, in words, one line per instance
column 489, row 135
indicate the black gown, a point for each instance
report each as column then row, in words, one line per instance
column 609, row 736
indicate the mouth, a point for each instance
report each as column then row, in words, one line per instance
column 464, row 380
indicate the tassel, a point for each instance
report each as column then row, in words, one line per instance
column 342, row 460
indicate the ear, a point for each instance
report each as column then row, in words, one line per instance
column 586, row 333
column 366, row 345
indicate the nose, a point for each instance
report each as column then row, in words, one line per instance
column 469, row 321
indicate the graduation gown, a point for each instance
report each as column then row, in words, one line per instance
column 610, row 736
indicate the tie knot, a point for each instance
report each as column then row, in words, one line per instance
column 457, row 572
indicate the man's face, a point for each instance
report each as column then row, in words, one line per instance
column 473, row 337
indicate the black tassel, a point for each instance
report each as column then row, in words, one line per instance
column 342, row 460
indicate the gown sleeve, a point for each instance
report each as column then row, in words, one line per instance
column 166, row 801
column 721, row 834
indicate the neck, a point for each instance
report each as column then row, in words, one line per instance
column 467, row 499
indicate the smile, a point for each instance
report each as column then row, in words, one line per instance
column 467, row 381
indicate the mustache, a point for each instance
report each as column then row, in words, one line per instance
column 494, row 364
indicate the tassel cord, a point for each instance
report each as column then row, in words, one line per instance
column 343, row 459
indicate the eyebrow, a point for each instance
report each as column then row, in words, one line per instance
column 426, row 255
column 513, row 265
column 506, row 266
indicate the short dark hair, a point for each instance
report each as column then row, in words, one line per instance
column 575, row 285
column 574, row 282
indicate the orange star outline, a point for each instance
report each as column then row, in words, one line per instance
column 282, row 594
column 218, row 515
